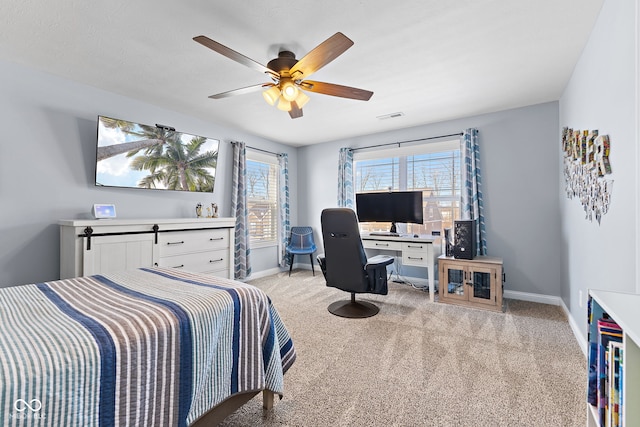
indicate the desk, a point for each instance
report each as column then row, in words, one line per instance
column 415, row 252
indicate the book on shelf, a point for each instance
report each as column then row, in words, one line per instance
column 592, row 353
column 615, row 392
column 621, row 379
column 592, row 387
column 608, row 332
column 597, row 352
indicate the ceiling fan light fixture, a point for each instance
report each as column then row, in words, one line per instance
column 284, row 105
column 289, row 91
column 271, row 95
column 302, row 99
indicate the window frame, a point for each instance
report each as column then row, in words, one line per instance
column 402, row 154
column 271, row 160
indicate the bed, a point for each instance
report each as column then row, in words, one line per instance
column 140, row 347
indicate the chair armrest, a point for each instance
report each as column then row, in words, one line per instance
column 378, row 261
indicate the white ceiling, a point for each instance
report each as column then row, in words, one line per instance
column 432, row 60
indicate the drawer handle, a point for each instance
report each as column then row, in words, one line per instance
column 215, row 260
column 179, row 266
column 217, row 238
column 420, row 258
column 412, row 246
column 175, row 243
column 382, row 244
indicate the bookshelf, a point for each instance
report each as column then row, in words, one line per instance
column 624, row 310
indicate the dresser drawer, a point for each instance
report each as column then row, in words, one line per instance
column 183, row 242
column 379, row 244
column 199, row 262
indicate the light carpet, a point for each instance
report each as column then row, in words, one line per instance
column 418, row 363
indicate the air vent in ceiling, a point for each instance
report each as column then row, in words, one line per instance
column 390, row 116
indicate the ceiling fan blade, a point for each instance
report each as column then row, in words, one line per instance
column 336, row 90
column 241, row 91
column 320, row 56
column 232, row 54
column 295, row 112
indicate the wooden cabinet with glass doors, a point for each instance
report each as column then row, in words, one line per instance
column 476, row 282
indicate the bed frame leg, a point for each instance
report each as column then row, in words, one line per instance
column 267, row 399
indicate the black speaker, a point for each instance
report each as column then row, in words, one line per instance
column 464, row 233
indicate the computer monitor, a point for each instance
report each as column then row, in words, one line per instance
column 393, row 206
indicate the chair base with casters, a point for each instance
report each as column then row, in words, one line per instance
column 376, row 269
column 345, row 265
column 353, row 309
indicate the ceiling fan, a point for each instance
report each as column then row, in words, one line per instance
column 289, row 74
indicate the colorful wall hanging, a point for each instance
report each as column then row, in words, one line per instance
column 586, row 164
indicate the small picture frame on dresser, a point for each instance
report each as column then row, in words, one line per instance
column 104, row 211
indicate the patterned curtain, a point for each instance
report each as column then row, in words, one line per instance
column 285, row 225
column 345, row 178
column 472, row 204
column 239, row 209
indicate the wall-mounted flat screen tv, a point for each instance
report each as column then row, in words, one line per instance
column 135, row 155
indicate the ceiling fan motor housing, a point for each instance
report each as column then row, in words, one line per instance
column 283, row 63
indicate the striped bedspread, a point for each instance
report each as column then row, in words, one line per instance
column 148, row 347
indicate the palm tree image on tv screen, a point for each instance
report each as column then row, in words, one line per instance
column 134, row 155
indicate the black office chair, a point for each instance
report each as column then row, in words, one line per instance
column 345, row 265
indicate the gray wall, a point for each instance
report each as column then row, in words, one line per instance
column 603, row 94
column 47, row 157
column 47, row 170
column 520, row 186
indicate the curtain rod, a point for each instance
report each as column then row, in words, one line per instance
column 260, row 149
column 406, row 142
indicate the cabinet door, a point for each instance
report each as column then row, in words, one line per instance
column 454, row 283
column 116, row 253
column 482, row 285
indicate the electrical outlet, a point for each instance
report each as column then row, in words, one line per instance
column 580, row 298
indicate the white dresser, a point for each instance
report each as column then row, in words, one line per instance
column 203, row 245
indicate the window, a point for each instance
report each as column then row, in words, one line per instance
column 433, row 168
column 262, row 198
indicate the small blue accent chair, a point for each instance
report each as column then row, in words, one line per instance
column 301, row 243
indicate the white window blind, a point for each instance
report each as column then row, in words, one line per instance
column 433, row 168
column 262, row 198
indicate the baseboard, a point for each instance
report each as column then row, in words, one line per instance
column 527, row 296
column 265, row 273
column 276, row 270
column 582, row 342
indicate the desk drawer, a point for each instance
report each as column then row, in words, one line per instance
column 382, row 245
column 415, row 254
column 416, row 259
column 415, row 247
